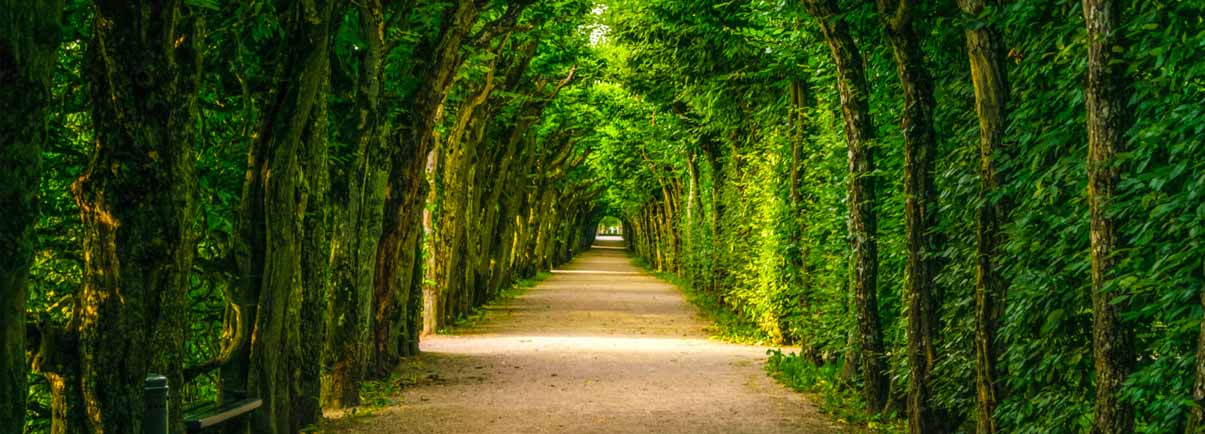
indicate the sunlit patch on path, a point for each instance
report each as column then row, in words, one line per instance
column 599, row 347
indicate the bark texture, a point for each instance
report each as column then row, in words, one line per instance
column 1105, row 93
column 314, row 221
column 985, row 51
column 137, row 203
column 863, row 226
column 398, row 288
column 920, row 211
column 357, row 192
column 396, row 325
column 270, row 296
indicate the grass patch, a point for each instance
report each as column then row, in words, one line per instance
column 839, row 401
column 472, row 319
column 726, row 325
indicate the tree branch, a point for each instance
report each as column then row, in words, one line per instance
column 229, row 348
column 564, row 82
column 504, row 24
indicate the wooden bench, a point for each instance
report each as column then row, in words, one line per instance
column 207, row 415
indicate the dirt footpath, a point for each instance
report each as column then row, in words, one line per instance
column 600, row 347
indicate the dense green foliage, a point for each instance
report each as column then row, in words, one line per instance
column 709, row 112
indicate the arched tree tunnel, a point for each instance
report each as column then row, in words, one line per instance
column 953, row 216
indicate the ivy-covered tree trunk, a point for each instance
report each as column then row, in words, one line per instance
column 990, row 80
column 473, row 295
column 29, row 40
column 528, row 227
column 137, row 204
column 863, row 227
column 470, row 134
column 920, row 212
column 270, row 295
column 1105, row 95
column 859, row 133
column 797, row 250
column 357, row 195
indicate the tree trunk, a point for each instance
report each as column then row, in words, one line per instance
column 435, row 252
column 989, row 77
column 1105, row 96
column 315, row 207
column 860, row 138
column 138, row 240
column 357, row 192
column 271, row 236
column 407, row 189
column 508, row 215
column 920, row 211
column 56, row 356
column 717, row 272
column 694, row 212
column 797, row 254
column 29, row 39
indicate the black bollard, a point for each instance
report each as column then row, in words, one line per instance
column 156, row 390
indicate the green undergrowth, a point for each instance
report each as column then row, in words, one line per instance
column 841, row 401
column 725, row 325
column 375, row 395
column 477, row 315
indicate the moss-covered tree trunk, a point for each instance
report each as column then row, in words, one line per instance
column 1105, row 95
column 137, row 204
column 863, row 227
column 315, row 215
column 456, row 232
column 985, row 50
column 29, row 40
column 270, row 296
column 528, row 225
column 357, row 194
column 694, row 216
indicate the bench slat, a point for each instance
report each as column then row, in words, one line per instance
column 224, row 413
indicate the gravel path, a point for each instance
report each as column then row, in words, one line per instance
column 600, row 347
